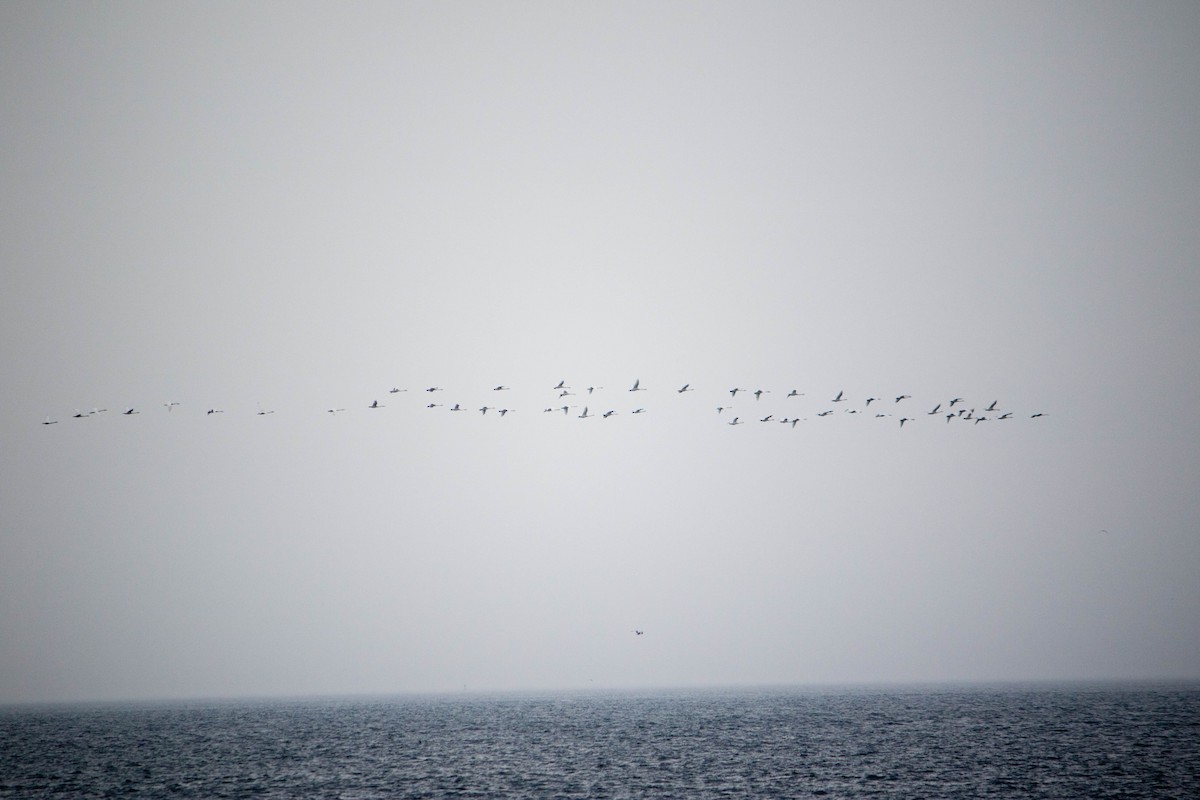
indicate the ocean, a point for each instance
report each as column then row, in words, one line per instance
column 899, row 742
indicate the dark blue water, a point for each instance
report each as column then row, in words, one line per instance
column 903, row 743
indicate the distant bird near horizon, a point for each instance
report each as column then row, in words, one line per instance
column 500, row 389
column 129, row 411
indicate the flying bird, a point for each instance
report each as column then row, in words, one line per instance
column 170, row 405
column 500, row 389
column 50, row 421
column 129, row 411
column 637, row 386
column 375, row 404
column 794, row 393
column 758, row 393
column 685, row 388
column 839, row 397
column 734, row 421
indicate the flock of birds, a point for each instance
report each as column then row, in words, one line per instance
column 583, row 403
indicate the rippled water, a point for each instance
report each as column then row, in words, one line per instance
column 974, row 743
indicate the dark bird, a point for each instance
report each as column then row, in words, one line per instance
column 608, row 414
column 434, row 389
column 639, row 633
column 129, row 411
column 955, row 400
column 500, row 389
column 767, row 418
column 733, row 392
column 394, row 390
column 869, row 401
column 825, row 413
column 904, row 420
column 839, row 397
column 503, row 411
column 936, row 409
column 1035, row 416
column 456, row 407
column 903, row 397
column 992, row 407
column 685, row 388
column 50, row 421
column 638, row 411
column 328, row 410
column 794, row 393
column 375, row 404
column 758, row 393
column 484, row 410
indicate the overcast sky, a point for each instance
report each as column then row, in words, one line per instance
column 295, row 207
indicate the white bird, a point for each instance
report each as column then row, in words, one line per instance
column 734, row 421
column 637, row 386
column 375, row 404
column 170, row 405
column 584, row 415
column 50, row 421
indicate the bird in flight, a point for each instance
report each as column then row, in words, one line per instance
column 500, row 388
column 733, row 392
column 639, row 633
column 794, row 393
column 328, row 410
column 637, row 386
column 734, row 421
column 903, row 397
column 170, row 406
column 608, row 414
column 638, row 411
column 50, row 421
column 585, row 414
column 129, row 411
column 839, row 397
column 758, row 393
column 394, row 390
column 375, row 404
column 687, row 387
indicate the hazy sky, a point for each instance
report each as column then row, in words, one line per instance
column 298, row 206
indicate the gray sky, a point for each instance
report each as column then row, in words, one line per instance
column 304, row 205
